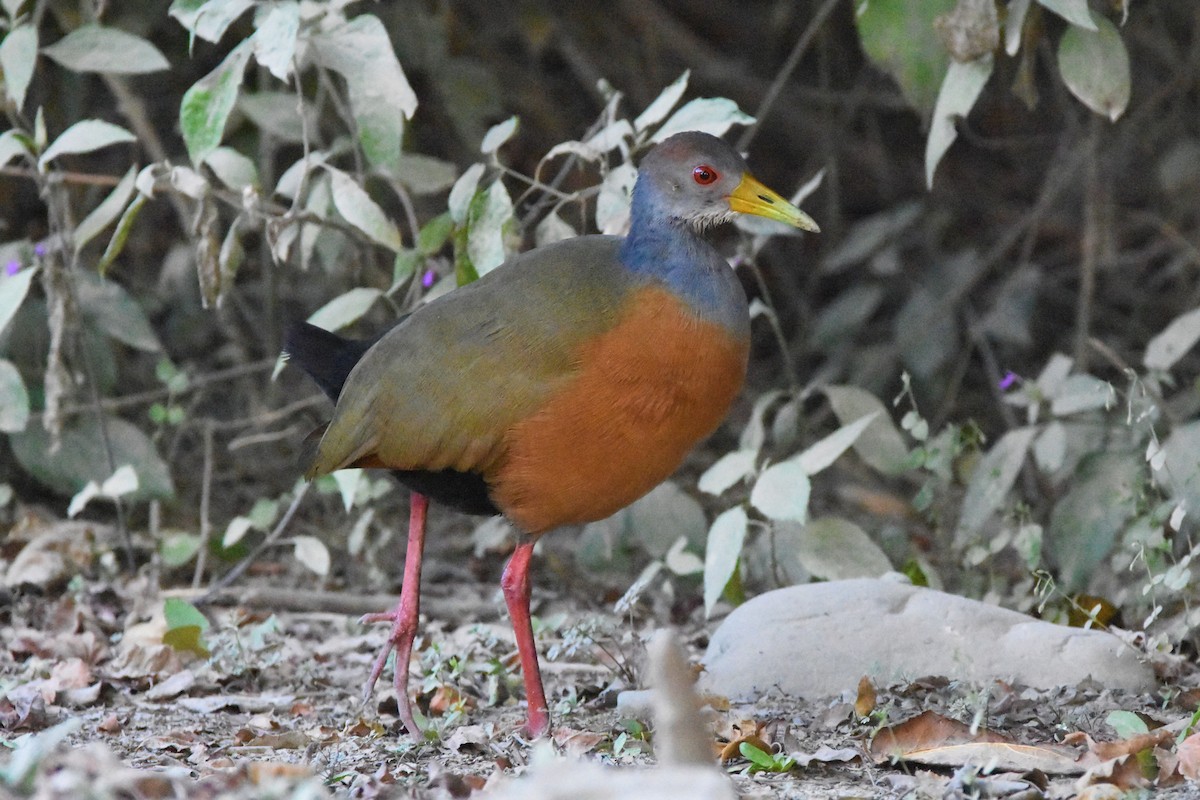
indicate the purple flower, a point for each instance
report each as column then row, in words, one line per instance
column 39, row 249
column 12, row 268
column 428, row 278
column 1009, row 380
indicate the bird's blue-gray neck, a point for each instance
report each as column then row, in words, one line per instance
column 671, row 252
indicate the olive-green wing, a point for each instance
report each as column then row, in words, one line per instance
column 441, row 389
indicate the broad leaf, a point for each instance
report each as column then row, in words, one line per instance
column 823, row 453
column 312, row 554
column 82, row 457
column 994, row 475
column 206, row 105
column 232, row 168
column 13, row 144
column 18, row 56
column 728, row 470
column 1073, row 11
column 491, row 214
column 662, row 105
column 13, row 289
column 209, row 19
column 1084, row 526
column 95, row 48
column 899, row 38
column 85, row 137
column 714, row 115
column 722, row 552
column 108, row 307
column 109, row 209
column 497, row 135
column 345, row 309
column 612, row 204
column 380, row 95
column 1095, row 67
column 357, row 207
column 275, row 39
column 14, row 399
column 1174, row 341
column 837, row 549
column 960, row 90
column 781, row 492
column 880, row 445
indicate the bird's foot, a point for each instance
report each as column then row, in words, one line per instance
column 404, row 630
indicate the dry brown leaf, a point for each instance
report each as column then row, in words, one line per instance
column 931, row 738
column 260, row 772
column 827, row 755
column 576, row 743
column 289, row 740
column 447, row 698
column 1188, row 754
column 864, row 704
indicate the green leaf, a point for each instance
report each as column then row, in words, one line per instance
column 1126, row 724
column 177, row 549
column 994, row 475
column 117, row 243
column 207, row 104
column 490, row 214
column 81, row 458
column 107, row 306
column 714, row 115
column 13, row 289
column 95, row 48
column 345, row 309
column 18, row 56
column 208, row 19
column 662, row 105
column 108, row 210
column 1073, row 11
column 423, row 174
column 837, row 549
column 899, row 37
column 380, row 95
column 85, row 137
column 14, row 399
column 185, row 627
column 1094, row 65
column 275, row 39
column 823, row 453
column 12, row 144
column 357, row 207
column 1086, row 521
column 960, row 90
column 781, row 492
column 722, row 552
column 880, row 445
column 435, row 234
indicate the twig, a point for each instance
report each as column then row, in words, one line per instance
column 236, row 572
column 785, row 72
column 205, row 498
column 1090, row 244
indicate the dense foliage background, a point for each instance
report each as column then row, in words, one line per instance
column 1006, row 275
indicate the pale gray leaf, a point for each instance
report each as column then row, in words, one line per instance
column 95, row 48
column 728, row 470
column 837, row 549
column 1180, row 336
column 357, row 207
column 107, row 211
column 721, row 554
column 85, row 136
column 781, row 492
column 881, row 445
column 1094, row 65
column 661, row 106
column 994, row 475
column 714, row 115
column 823, row 453
column 18, row 56
column 275, row 39
column 345, row 309
column 14, row 399
column 960, row 89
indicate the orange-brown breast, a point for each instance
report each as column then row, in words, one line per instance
column 648, row 390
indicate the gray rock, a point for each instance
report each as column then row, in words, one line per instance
column 820, row 639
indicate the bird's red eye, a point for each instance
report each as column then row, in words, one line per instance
column 704, row 174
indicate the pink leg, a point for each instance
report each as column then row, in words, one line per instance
column 515, row 583
column 404, row 617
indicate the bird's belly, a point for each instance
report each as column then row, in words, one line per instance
column 647, row 391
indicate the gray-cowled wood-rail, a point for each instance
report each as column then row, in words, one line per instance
column 559, row 387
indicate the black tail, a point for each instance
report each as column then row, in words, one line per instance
column 326, row 357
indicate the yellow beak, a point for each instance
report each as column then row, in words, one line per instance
column 751, row 197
